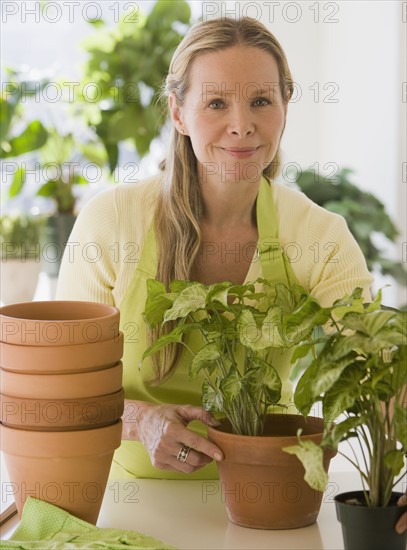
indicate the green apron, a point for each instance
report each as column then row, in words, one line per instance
column 132, row 459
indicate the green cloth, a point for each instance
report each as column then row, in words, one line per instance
column 44, row 526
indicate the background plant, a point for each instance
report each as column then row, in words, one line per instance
column 18, row 135
column 359, row 376
column 240, row 327
column 63, row 160
column 19, row 236
column 58, row 158
column 364, row 213
column 127, row 65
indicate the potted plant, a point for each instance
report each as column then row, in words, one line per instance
column 242, row 327
column 20, row 255
column 359, row 377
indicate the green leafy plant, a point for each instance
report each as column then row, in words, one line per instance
column 240, row 327
column 19, row 136
column 127, row 66
column 60, row 157
column 364, row 213
column 359, row 376
column 62, row 160
column 20, row 236
column 30, row 135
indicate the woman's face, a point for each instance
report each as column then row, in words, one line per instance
column 233, row 113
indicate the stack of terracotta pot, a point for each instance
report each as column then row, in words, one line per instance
column 61, row 401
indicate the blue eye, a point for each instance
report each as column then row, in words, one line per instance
column 216, row 104
column 261, row 102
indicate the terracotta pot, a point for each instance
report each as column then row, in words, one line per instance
column 369, row 528
column 62, row 386
column 61, row 359
column 67, row 469
column 61, row 414
column 264, row 486
column 58, row 323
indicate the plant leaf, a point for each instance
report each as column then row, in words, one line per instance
column 211, row 401
column 344, row 430
column 300, row 324
column 204, row 359
column 157, row 303
column 33, row 137
column 328, row 375
column 370, row 324
column 311, row 456
column 219, row 293
column 18, row 182
column 343, row 393
column 191, row 299
column 48, row 189
column 263, row 377
column 270, row 329
column 231, row 385
column 394, row 460
column 178, row 286
column 304, row 395
column 175, row 335
column 400, row 419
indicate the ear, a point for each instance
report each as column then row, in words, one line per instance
column 176, row 114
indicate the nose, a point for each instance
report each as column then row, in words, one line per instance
column 241, row 122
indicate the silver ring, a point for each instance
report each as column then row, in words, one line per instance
column 183, row 453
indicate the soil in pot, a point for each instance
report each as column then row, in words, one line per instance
column 61, row 359
column 365, row 528
column 61, row 414
column 262, row 485
column 62, row 386
column 58, row 323
column 67, row 469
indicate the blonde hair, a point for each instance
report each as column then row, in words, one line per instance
column 180, row 206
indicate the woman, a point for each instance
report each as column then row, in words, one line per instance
column 214, row 214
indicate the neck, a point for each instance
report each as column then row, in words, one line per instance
column 229, row 204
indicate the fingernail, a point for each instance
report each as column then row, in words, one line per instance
column 400, row 528
column 214, row 422
column 402, row 500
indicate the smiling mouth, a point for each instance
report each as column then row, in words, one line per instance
column 240, row 152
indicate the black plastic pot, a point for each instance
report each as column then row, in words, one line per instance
column 365, row 528
column 55, row 235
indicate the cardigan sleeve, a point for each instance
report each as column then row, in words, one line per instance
column 323, row 253
column 336, row 265
column 88, row 269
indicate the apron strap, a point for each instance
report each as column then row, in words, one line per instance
column 275, row 267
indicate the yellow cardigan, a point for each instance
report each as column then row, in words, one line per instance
column 107, row 239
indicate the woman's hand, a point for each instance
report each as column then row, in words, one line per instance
column 162, row 430
column 401, row 525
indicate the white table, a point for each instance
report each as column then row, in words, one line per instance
column 191, row 515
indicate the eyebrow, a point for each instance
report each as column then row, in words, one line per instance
column 223, row 92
